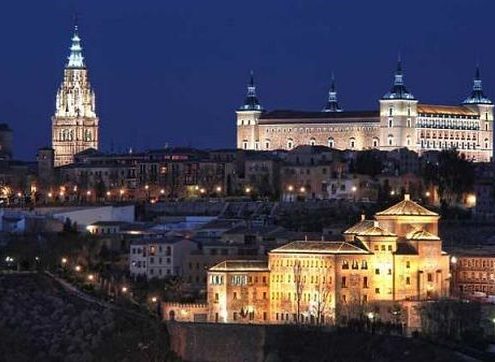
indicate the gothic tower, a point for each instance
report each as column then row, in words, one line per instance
column 332, row 103
column 247, row 121
column 74, row 124
column 398, row 112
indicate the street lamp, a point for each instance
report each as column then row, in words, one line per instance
column 302, row 189
column 64, row 261
column 109, row 193
column 248, row 190
column 219, row 189
column 290, row 188
column 427, row 193
column 124, row 289
column 162, row 191
column 91, row 277
column 88, row 192
column 77, row 268
column 154, row 299
column 392, row 193
column 146, row 187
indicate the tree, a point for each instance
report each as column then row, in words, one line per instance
column 368, row 163
column 453, row 175
column 323, row 298
column 299, row 286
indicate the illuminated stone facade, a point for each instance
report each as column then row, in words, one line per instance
column 381, row 263
column 74, row 124
column 399, row 122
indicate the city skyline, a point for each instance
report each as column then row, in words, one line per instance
column 132, row 90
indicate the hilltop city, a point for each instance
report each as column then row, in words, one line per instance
column 378, row 225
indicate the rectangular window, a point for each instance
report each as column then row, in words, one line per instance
column 344, row 282
column 408, row 281
column 377, row 271
column 430, row 277
column 377, row 290
column 365, row 282
column 408, row 264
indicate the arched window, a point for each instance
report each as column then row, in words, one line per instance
column 408, row 140
column 312, row 141
column 267, row 144
column 390, row 122
column 409, row 122
column 390, row 140
column 390, row 111
column 245, row 144
column 486, row 126
column 331, row 142
column 375, row 142
column 290, row 144
column 486, row 143
column 352, row 143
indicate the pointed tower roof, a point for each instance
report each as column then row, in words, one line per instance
column 251, row 103
column 75, row 59
column 399, row 90
column 477, row 96
column 332, row 104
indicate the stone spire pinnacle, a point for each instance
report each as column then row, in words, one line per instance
column 477, row 95
column 332, row 104
column 251, row 103
column 399, row 90
column 76, row 59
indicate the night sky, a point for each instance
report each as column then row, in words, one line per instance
column 173, row 71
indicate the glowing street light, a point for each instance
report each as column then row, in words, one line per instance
column 77, row 268
column 290, row 188
column 124, row 289
column 392, row 193
column 19, row 194
column 122, row 191
column 371, row 316
column 162, row 191
column 219, row 189
column 64, row 261
column 109, row 194
column 302, row 189
column 50, row 195
column 88, row 192
column 248, row 190
column 354, row 188
column 154, row 299
column 146, row 187
column 453, row 260
column 427, row 193
column 202, row 190
column 91, row 277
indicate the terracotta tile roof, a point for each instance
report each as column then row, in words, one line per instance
column 289, row 116
column 321, row 247
column 376, row 230
column 447, row 110
column 421, row 235
column 406, row 208
column 241, row 265
column 360, row 227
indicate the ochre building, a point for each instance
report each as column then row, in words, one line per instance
column 381, row 268
column 74, row 124
column 400, row 121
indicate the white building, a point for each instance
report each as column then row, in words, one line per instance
column 159, row 256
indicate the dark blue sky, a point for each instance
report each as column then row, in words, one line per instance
column 174, row 71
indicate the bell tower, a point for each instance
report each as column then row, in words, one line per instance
column 247, row 120
column 74, row 124
column 398, row 113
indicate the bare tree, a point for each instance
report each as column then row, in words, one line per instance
column 323, row 294
column 299, row 286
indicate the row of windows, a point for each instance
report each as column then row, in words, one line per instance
column 446, row 135
column 303, row 297
column 477, row 263
column 355, row 264
column 68, row 135
column 452, row 144
column 313, row 279
column 478, row 276
column 450, row 124
column 323, row 129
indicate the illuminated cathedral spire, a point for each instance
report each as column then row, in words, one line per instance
column 76, row 59
column 399, row 90
column 477, row 95
column 251, row 103
column 332, row 104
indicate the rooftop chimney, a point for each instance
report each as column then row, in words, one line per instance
column 375, row 223
column 407, row 197
column 363, row 217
